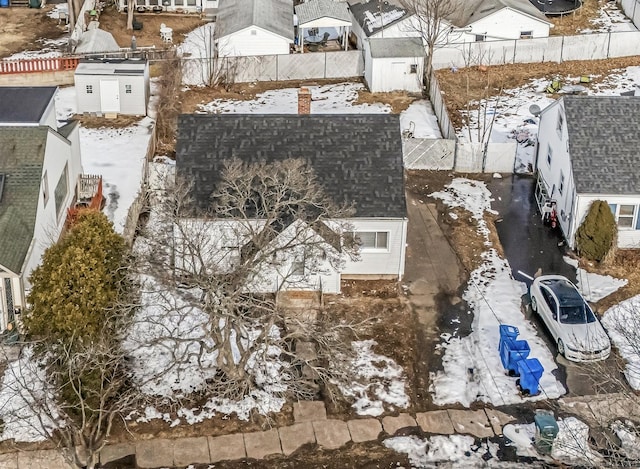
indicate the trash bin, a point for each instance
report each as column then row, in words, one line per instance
column 4, row 3
column 530, row 371
column 546, row 430
column 35, row 3
column 507, row 332
column 512, row 352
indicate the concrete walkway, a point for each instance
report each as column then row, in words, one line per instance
column 311, row 426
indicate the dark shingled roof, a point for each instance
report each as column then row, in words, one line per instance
column 604, row 143
column 21, row 160
column 24, row 104
column 357, row 158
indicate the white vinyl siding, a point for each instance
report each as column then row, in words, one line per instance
column 254, row 41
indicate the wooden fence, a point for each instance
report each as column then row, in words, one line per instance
column 39, row 65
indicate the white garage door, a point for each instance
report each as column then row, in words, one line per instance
column 109, row 96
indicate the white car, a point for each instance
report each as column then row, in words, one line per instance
column 574, row 327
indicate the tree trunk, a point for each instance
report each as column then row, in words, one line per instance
column 131, row 5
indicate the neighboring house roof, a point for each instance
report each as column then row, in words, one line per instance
column 396, row 47
column 272, row 15
column 316, row 9
column 120, row 67
column 604, row 142
column 22, row 152
column 97, row 40
column 24, row 104
column 471, row 11
column 374, row 15
column 356, row 158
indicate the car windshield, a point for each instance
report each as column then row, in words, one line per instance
column 576, row 314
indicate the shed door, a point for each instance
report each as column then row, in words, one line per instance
column 109, row 96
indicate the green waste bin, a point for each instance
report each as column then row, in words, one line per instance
column 35, row 3
column 546, row 431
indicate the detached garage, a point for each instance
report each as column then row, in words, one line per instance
column 113, row 86
column 394, row 64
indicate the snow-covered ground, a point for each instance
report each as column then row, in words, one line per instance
column 515, row 121
column 495, row 299
column 610, row 18
column 622, row 322
column 593, row 287
column 118, row 155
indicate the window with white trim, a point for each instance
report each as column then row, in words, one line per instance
column 561, row 185
column 89, row 89
column 526, row 34
column 370, row 239
column 297, row 266
column 481, row 37
column 560, row 124
column 626, row 216
column 45, row 188
column 413, row 68
column 127, row 89
column 549, row 154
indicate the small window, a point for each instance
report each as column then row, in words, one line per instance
column 62, row 188
column 561, row 185
column 481, row 37
column 413, row 68
column 191, row 3
column 560, row 124
column 45, row 188
column 254, row 32
column 526, row 34
column 127, row 89
column 626, row 214
column 89, row 89
column 549, row 154
column 297, row 266
column 370, row 239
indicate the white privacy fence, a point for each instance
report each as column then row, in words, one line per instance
column 631, row 8
column 544, row 49
column 449, row 155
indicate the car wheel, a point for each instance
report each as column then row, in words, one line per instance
column 534, row 303
column 561, row 347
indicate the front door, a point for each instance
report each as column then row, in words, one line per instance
column 109, row 96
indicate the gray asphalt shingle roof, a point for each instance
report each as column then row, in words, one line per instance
column 396, row 47
column 316, row 9
column 357, row 158
column 272, row 15
column 21, row 160
column 374, row 15
column 604, row 143
column 471, row 11
column 24, row 104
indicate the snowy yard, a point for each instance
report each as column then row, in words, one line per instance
column 512, row 117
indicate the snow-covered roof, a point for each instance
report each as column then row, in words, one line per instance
column 97, row 40
column 374, row 15
column 316, row 9
column 112, row 67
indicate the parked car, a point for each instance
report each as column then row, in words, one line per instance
column 575, row 328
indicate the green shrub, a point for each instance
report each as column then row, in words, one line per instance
column 79, row 279
column 597, row 234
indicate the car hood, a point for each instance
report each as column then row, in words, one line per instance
column 585, row 336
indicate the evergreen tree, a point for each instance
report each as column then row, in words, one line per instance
column 79, row 280
column 597, row 233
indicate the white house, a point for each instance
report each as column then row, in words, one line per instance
column 254, row 27
column 588, row 150
column 113, row 86
column 392, row 64
column 495, row 20
column 39, row 166
column 356, row 158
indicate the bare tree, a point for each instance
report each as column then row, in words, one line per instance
column 268, row 227
column 71, row 392
column 131, row 6
column 432, row 23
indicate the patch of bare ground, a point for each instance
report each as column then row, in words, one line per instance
column 460, row 229
column 474, row 83
column 89, row 121
column 116, row 23
column 624, row 265
column 23, row 29
column 191, row 99
column 354, row 455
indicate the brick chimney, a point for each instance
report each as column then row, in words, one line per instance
column 304, row 101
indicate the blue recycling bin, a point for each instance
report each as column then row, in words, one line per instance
column 507, row 332
column 514, row 351
column 530, row 371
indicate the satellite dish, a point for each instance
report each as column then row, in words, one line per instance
column 535, row 110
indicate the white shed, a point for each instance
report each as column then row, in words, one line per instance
column 392, row 64
column 113, row 86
